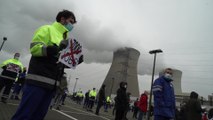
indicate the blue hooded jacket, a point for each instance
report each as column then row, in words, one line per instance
column 164, row 97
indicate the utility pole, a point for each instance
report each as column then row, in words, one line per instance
column 69, row 79
column 112, row 86
column 75, row 85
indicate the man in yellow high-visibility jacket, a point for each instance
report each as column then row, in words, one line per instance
column 11, row 69
column 92, row 97
column 107, row 104
column 79, row 97
column 43, row 73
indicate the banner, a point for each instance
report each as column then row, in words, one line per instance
column 70, row 55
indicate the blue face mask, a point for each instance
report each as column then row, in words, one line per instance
column 69, row 26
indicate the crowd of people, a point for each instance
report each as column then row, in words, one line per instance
column 120, row 104
column 14, row 75
column 44, row 84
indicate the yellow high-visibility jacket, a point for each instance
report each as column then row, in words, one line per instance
column 43, row 70
column 11, row 68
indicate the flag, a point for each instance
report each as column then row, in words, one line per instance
column 71, row 55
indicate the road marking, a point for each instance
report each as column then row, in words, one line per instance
column 52, row 109
column 65, row 114
column 104, row 117
column 79, row 110
column 76, row 113
column 73, row 109
column 12, row 104
column 87, row 112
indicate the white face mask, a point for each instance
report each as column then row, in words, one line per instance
column 125, row 86
column 168, row 76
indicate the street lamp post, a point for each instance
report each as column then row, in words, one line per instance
column 153, row 73
column 4, row 39
column 75, row 84
column 112, row 86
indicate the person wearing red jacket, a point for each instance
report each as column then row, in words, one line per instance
column 142, row 105
column 204, row 117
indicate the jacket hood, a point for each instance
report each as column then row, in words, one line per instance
column 194, row 95
column 123, row 84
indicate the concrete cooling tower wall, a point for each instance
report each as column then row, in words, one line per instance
column 123, row 68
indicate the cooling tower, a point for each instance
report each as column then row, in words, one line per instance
column 123, row 68
column 177, row 74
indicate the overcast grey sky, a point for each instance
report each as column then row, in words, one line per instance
column 183, row 29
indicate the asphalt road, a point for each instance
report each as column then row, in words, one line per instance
column 69, row 111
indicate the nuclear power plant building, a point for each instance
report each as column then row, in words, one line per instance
column 123, row 68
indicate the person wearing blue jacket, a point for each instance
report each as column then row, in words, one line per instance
column 164, row 97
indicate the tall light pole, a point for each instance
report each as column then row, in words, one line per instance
column 69, row 79
column 153, row 73
column 4, row 39
column 112, row 86
column 75, row 84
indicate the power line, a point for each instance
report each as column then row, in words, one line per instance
column 193, row 77
column 194, row 65
column 190, row 52
column 196, row 82
column 196, row 70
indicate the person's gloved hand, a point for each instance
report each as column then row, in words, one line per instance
column 81, row 59
column 4, row 67
column 63, row 44
column 52, row 50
